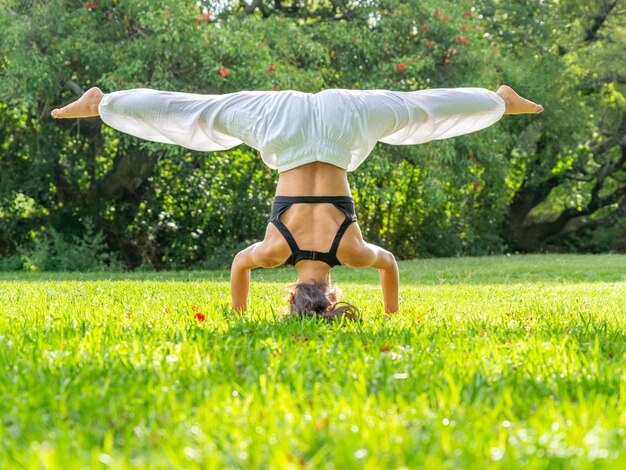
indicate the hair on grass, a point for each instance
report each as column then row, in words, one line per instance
column 320, row 300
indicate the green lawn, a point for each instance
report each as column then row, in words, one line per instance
column 497, row 362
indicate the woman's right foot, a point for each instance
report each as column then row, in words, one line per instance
column 85, row 106
column 515, row 104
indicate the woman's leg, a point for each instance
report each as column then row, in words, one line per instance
column 85, row 106
column 195, row 121
column 515, row 104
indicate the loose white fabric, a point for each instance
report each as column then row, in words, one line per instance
column 292, row 128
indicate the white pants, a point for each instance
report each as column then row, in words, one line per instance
column 291, row 128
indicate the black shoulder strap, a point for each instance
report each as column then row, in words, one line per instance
column 350, row 218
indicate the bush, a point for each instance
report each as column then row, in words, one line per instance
column 52, row 252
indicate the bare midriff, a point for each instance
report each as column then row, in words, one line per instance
column 314, row 179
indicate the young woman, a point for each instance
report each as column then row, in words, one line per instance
column 313, row 140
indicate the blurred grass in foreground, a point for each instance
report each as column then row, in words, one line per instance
column 493, row 362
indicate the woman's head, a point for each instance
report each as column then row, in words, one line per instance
column 314, row 299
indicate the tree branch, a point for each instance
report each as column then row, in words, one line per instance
column 599, row 20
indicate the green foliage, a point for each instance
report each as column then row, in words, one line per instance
column 51, row 252
column 163, row 207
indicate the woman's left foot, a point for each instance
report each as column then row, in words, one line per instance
column 515, row 104
column 85, row 106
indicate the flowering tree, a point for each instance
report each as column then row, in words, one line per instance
column 528, row 183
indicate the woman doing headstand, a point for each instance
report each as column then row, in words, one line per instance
column 313, row 140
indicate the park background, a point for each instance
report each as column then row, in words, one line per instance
column 492, row 362
column 77, row 195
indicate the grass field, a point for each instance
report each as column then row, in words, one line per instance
column 501, row 362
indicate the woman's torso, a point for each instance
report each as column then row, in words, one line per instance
column 313, row 226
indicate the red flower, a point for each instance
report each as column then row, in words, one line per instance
column 223, row 72
column 462, row 40
column 464, row 26
column 276, row 88
column 270, row 69
column 438, row 14
column 429, row 44
column 476, row 184
column 385, row 348
column 401, row 67
column 292, row 296
column 207, row 16
column 468, row 14
column 200, row 316
column 424, row 26
column 194, row 308
column 445, row 18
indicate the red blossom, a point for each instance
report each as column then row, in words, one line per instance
column 438, row 14
column 270, row 69
column 276, row 88
column 464, row 26
column 429, row 44
column 194, row 308
column 468, row 14
column 401, row 67
column 200, row 316
column 223, row 72
column 385, row 348
column 476, row 184
column 90, row 5
column 207, row 16
column 462, row 40
column 424, row 26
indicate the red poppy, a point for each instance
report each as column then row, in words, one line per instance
column 276, row 88
column 194, row 308
column 401, row 67
column 200, row 316
column 462, row 40
column 270, row 69
column 429, row 44
column 476, row 184
column 207, row 16
column 223, row 72
column 385, row 348
column 424, row 26
column 468, row 14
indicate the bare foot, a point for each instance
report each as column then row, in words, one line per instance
column 85, row 106
column 515, row 104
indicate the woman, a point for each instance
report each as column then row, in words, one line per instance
column 313, row 140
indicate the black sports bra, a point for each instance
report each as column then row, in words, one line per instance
column 281, row 203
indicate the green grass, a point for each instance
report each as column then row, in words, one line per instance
column 499, row 362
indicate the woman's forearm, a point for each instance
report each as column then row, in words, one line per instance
column 239, row 284
column 389, row 281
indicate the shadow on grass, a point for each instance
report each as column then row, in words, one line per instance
column 516, row 269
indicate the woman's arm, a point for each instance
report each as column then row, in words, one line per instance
column 383, row 260
column 240, row 277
